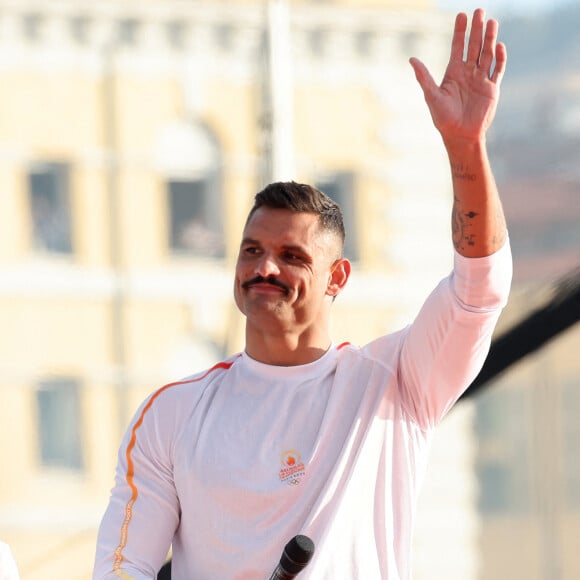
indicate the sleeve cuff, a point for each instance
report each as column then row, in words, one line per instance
column 483, row 283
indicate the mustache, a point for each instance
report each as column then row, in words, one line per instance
column 269, row 280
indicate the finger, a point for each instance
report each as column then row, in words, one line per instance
column 423, row 77
column 475, row 37
column 458, row 40
column 500, row 63
column 489, row 42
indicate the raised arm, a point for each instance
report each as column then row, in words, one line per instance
column 462, row 109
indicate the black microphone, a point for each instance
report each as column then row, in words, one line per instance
column 296, row 555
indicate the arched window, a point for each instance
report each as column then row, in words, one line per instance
column 189, row 158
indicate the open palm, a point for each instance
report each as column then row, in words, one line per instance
column 464, row 105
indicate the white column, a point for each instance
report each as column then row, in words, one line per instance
column 280, row 90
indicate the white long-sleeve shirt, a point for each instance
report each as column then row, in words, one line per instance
column 8, row 568
column 229, row 464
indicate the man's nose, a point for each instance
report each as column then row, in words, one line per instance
column 267, row 266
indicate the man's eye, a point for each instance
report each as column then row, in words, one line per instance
column 291, row 257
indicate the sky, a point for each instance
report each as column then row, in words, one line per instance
column 499, row 8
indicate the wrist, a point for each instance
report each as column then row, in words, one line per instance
column 465, row 146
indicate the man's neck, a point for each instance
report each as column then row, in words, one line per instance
column 284, row 349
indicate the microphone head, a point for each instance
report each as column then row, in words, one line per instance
column 297, row 553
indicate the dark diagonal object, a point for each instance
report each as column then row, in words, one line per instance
column 545, row 323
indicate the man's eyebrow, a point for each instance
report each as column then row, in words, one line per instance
column 294, row 248
column 287, row 247
column 249, row 242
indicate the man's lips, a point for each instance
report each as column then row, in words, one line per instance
column 266, row 285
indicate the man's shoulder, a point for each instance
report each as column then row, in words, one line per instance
column 384, row 349
column 195, row 384
column 211, row 372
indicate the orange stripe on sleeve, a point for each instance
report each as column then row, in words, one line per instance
column 129, row 477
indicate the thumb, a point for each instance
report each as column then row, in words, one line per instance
column 423, row 77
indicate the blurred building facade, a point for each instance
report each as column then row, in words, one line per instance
column 528, row 423
column 133, row 136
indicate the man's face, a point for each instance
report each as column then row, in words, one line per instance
column 284, row 269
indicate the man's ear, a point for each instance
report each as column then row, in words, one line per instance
column 339, row 274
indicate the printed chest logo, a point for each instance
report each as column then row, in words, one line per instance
column 293, row 470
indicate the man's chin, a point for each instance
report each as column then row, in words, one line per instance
column 266, row 308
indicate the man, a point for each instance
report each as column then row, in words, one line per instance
column 297, row 435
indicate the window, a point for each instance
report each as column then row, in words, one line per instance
column 176, row 32
column 340, row 188
column 80, row 29
column 410, row 42
column 364, row 40
column 128, row 31
column 225, row 36
column 32, row 26
column 59, row 423
column 48, row 186
column 317, row 41
column 188, row 156
column 195, row 218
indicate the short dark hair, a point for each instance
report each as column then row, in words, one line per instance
column 300, row 197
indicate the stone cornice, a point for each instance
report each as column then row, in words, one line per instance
column 319, row 31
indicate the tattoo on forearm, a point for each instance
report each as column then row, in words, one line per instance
column 461, row 224
column 475, row 228
column 461, row 171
